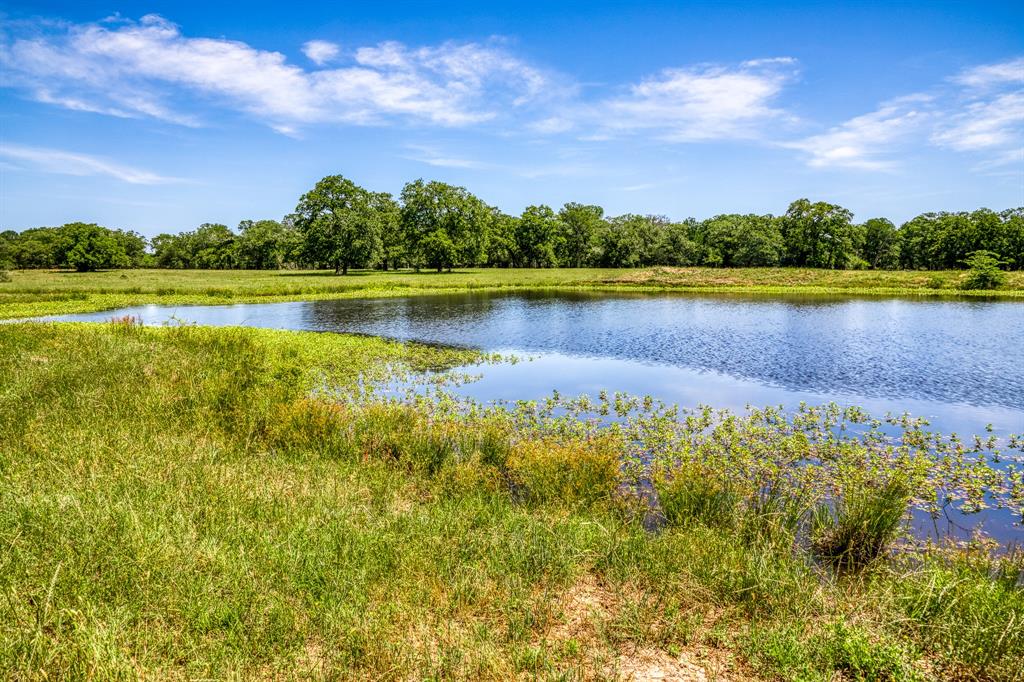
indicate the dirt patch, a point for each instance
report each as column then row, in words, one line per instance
column 587, row 609
column 652, row 275
column 650, row 664
column 584, row 607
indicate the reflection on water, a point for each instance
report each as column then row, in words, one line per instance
column 960, row 363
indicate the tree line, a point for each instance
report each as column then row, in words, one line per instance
column 435, row 225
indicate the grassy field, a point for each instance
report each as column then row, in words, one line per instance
column 182, row 503
column 33, row 292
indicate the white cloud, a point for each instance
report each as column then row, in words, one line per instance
column 320, row 51
column 72, row 163
column 988, row 117
column 552, row 125
column 982, row 112
column 985, row 124
column 133, row 68
column 988, row 75
column 864, row 141
column 702, row 103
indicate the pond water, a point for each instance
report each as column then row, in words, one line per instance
column 959, row 363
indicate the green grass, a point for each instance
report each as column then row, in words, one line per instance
column 32, row 292
column 179, row 503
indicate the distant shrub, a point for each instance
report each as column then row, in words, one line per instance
column 985, row 272
column 855, row 262
column 5, row 276
column 572, row 471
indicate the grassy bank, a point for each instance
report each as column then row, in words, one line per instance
column 183, row 503
column 33, row 292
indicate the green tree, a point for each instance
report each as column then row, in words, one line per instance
column 444, row 225
column 881, row 249
column 649, row 232
column 340, row 224
column 392, row 250
column 818, row 235
column 536, row 236
column 502, row 248
column 169, row 251
column 735, row 240
column 985, row 272
column 1013, row 228
column 35, row 248
column 8, row 238
column 212, row 246
column 263, row 244
column 578, row 226
column 620, row 242
column 86, row 247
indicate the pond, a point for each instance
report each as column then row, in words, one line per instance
column 959, row 363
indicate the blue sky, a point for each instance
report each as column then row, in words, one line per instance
column 160, row 116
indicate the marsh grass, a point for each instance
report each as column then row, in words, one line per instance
column 696, row 493
column 860, row 524
column 190, row 503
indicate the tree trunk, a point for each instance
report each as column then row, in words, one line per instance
column 344, row 269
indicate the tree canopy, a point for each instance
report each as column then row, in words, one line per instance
column 444, row 225
column 340, row 225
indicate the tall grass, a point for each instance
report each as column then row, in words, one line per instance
column 860, row 524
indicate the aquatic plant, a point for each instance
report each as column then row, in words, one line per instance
column 860, row 523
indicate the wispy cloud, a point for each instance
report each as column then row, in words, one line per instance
column 989, row 116
column 433, row 157
column 980, row 110
column 73, row 163
column 150, row 69
column 988, row 75
column 985, row 124
column 320, row 51
column 867, row 141
column 134, row 68
column 698, row 103
column 711, row 102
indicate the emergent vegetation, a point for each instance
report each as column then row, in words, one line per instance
column 341, row 226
